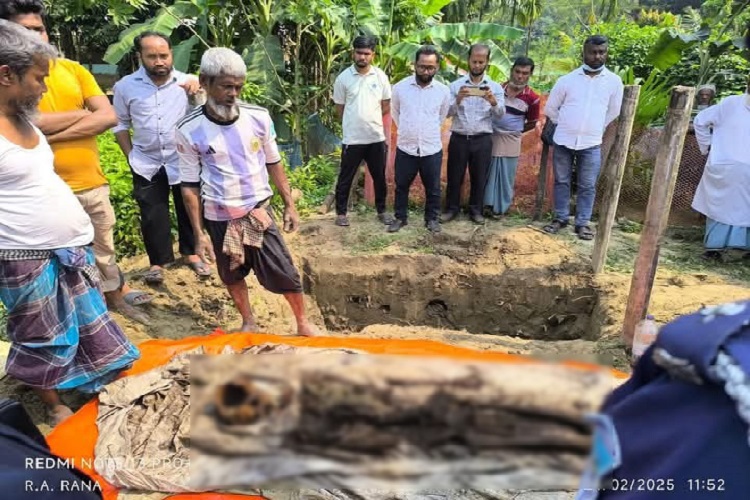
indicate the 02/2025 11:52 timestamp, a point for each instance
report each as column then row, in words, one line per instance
column 706, row 484
column 695, row 485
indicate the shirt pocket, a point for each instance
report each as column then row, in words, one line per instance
column 144, row 113
column 428, row 106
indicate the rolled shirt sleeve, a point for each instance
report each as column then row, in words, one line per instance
column 122, row 110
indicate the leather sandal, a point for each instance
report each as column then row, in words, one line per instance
column 584, row 233
column 555, row 226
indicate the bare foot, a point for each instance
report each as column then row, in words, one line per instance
column 247, row 327
column 59, row 413
column 307, row 330
column 130, row 312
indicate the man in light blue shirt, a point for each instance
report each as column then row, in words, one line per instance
column 150, row 102
column 476, row 101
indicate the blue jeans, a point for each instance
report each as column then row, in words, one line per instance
column 588, row 163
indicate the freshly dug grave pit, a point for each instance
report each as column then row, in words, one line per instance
column 554, row 302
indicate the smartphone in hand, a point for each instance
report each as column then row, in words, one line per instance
column 477, row 91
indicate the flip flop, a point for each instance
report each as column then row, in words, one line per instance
column 137, row 298
column 200, row 268
column 154, row 277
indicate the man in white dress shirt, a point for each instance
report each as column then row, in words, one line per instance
column 419, row 105
column 150, row 102
column 581, row 105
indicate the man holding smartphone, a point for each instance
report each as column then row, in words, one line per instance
column 476, row 100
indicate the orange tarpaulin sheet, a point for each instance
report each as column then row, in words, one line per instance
column 75, row 439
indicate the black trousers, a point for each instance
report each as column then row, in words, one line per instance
column 476, row 151
column 428, row 168
column 156, row 224
column 351, row 156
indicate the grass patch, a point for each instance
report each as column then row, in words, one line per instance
column 373, row 239
column 680, row 253
column 367, row 236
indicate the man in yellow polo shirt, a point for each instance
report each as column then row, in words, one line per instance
column 74, row 110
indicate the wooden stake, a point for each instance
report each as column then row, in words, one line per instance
column 612, row 175
column 657, row 213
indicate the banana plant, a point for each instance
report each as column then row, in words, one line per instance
column 165, row 22
column 454, row 40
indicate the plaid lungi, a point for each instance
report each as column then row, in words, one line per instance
column 245, row 231
column 62, row 336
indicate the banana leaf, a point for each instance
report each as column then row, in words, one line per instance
column 165, row 22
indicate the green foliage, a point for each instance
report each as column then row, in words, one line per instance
column 254, row 94
column 653, row 100
column 314, row 180
column 164, row 22
column 729, row 72
column 669, row 48
column 182, row 53
column 629, row 45
column 128, row 240
column 454, row 40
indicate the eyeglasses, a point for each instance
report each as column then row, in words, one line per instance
column 426, row 69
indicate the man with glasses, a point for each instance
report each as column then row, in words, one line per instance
column 419, row 106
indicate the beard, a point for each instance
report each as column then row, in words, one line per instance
column 425, row 78
column 158, row 72
column 477, row 73
column 225, row 112
column 28, row 109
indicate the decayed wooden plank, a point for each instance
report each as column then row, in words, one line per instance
column 380, row 422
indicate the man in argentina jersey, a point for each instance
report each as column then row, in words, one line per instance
column 228, row 154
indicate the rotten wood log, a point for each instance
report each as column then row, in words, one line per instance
column 360, row 422
column 657, row 212
column 612, row 176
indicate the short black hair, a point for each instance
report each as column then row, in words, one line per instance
column 523, row 61
column 483, row 47
column 365, row 42
column 596, row 40
column 427, row 50
column 12, row 8
column 138, row 42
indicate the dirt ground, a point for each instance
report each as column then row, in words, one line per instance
column 506, row 286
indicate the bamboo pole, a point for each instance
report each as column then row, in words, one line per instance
column 612, row 175
column 657, row 213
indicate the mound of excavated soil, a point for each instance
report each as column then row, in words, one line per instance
column 497, row 287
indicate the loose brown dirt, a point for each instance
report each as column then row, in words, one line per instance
column 505, row 286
